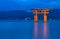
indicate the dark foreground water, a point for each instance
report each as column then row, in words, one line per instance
column 24, row 29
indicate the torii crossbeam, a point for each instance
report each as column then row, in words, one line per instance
column 40, row 11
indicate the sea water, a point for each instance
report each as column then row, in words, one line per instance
column 28, row 29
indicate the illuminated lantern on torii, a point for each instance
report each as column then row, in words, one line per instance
column 44, row 11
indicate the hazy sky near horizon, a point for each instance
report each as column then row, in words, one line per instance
column 28, row 4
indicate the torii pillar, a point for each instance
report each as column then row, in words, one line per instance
column 35, row 16
column 45, row 12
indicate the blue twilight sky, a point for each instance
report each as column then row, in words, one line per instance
column 28, row 4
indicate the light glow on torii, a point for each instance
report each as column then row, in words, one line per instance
column 40, row 11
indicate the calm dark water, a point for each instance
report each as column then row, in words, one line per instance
column 24, row 29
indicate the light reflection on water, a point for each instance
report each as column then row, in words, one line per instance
column 45, row 33
column 41, row 33
column 35, row 30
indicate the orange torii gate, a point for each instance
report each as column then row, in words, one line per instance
column 40, row 11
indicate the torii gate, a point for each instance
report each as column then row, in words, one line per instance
column 40, row 11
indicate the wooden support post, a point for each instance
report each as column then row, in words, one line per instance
column 45, row 18
column 35, row 18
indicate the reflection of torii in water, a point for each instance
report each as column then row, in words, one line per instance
column 40, row 11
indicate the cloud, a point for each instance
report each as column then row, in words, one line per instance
column 28, row 4
column 40, row 3
column 54, row 4
column 8, row 5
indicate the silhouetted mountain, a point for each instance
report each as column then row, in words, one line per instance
column 18, row 14
column 54, row 14
column 21, row 14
